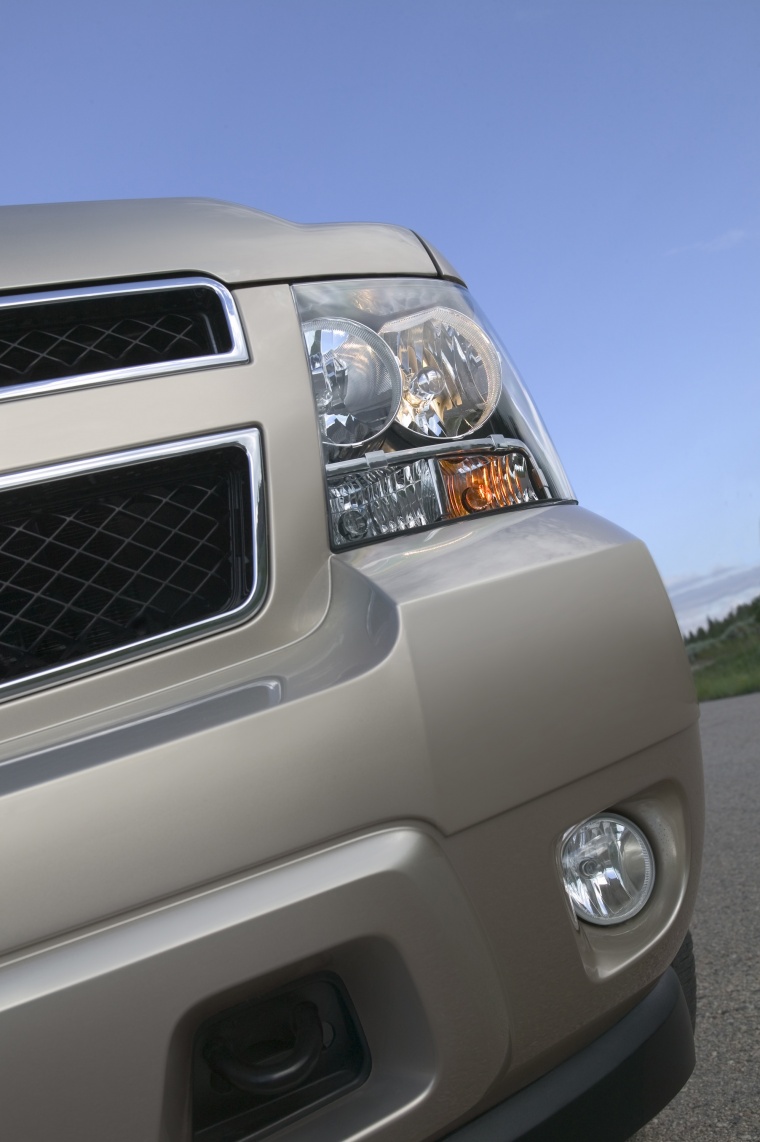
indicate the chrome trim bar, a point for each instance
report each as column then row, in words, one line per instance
column 247, row 439
column 237, row 354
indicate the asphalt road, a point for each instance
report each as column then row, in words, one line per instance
column 722, row 1098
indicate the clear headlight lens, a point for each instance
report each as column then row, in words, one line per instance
column 451, row 371
column 608, row 869
column 422, row 416
column 356, row 380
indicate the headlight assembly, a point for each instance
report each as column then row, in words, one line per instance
column 422, row 416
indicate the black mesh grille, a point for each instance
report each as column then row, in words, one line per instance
column 91, row 563
column 74, row 337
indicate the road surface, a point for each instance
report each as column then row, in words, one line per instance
column 721, row 1101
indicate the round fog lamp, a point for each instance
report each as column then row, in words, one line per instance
column 607, row 869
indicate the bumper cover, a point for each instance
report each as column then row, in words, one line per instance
column 609, row 1089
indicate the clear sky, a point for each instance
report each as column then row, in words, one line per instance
column 592, row 168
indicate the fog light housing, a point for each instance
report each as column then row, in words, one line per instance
column 607, row 869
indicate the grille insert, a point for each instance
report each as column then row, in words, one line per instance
column 115, row 332
column 112, row 559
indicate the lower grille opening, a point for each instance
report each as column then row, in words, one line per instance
column 103, row 560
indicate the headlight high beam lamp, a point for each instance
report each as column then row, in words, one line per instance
column 422, row 417
column 356, row 382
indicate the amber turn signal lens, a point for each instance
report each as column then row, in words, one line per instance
column 479, row 482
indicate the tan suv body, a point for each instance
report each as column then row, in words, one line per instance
column 349, row 784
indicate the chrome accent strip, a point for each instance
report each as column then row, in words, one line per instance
column 247, row 439
column 237, row 354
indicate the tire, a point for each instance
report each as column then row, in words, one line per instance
column 686, row 970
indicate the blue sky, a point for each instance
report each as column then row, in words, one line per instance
column 592, row 168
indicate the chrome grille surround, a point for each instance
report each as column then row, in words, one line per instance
column 45, row 478
column 25, row 303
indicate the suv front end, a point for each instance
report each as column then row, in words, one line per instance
column 323, row 695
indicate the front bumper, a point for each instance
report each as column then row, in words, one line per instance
column 381, row 799
column 609, row 1089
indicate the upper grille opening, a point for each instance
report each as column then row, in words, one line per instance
column 58, row 336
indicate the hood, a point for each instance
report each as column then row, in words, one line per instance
column 72, row 242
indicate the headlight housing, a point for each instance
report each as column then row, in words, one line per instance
column 422, row 416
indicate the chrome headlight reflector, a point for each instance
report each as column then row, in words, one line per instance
column 421, row 414
column 607, row 869
column 356, row 381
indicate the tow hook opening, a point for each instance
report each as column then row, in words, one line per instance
column 273, row 1059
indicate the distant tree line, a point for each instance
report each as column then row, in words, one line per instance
column 747, row 612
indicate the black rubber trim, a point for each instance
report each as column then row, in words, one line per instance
column 610, row 1089
column 433, row 255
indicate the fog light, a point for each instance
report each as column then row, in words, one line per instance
column 608, row 869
